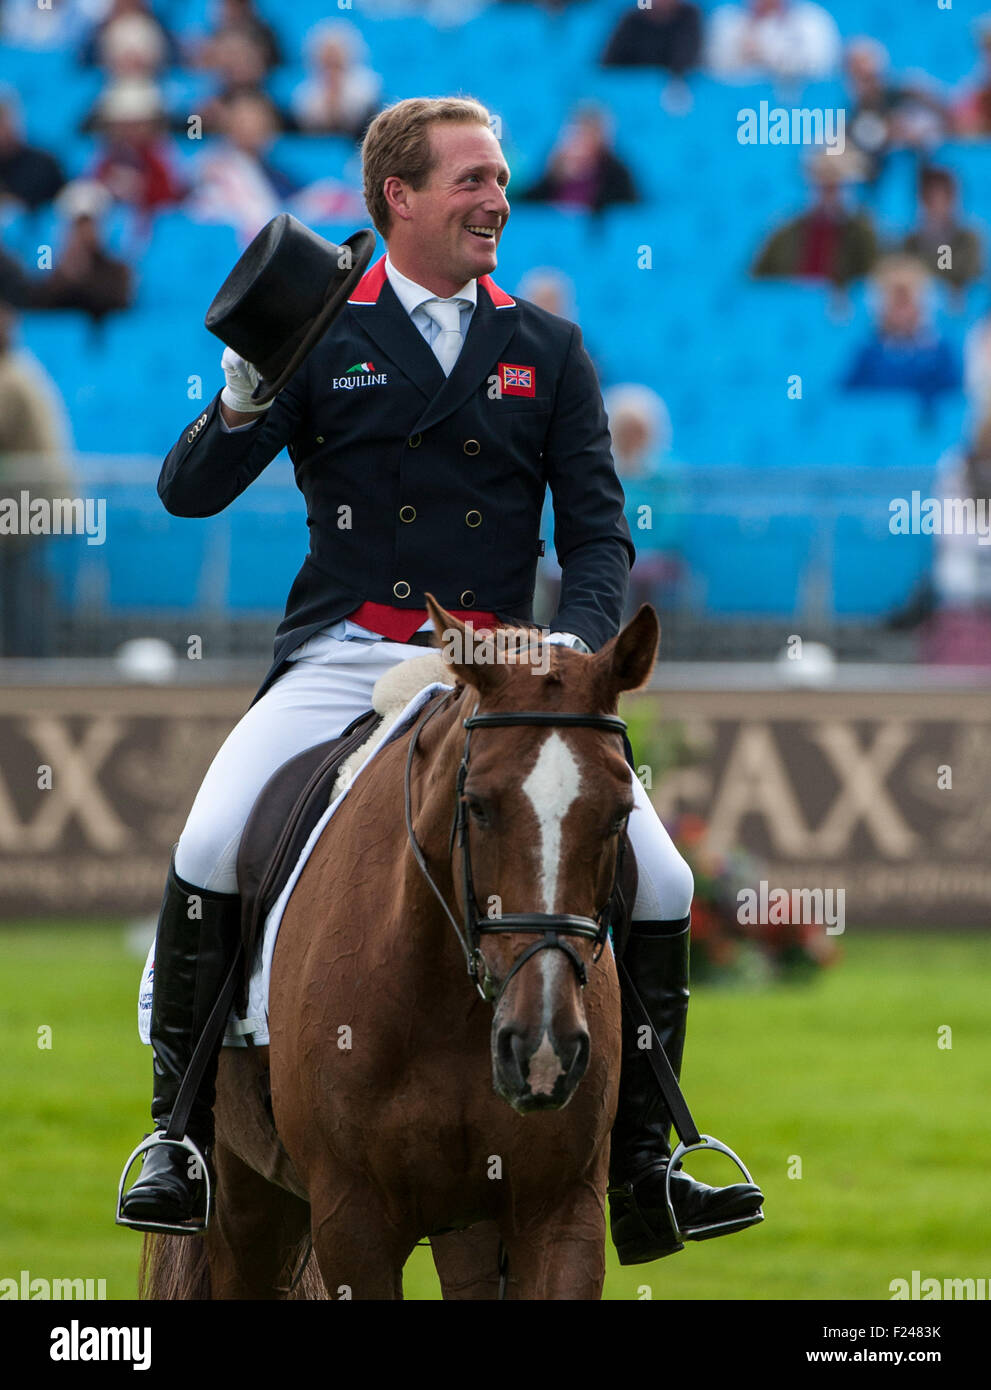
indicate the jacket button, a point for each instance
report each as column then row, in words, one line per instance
column 468, row 598
column 472, row 446
column 415, row 440
column 407, row 513
column 401, row 589
column 473, row 518
column 319, row 439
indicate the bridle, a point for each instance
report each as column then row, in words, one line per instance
column 551, row 927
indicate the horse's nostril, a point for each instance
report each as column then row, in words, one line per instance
column 578, row 1053
column 509, row 1050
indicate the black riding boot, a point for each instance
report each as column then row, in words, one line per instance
column 198, row 936
column 657, row 958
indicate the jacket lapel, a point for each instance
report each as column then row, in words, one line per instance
column 390, row 327
column 488, row 334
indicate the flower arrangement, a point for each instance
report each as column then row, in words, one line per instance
column 725, row 950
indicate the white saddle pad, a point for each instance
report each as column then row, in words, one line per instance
column 255, row 1023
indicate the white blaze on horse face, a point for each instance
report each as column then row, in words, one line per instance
column 552, row 787
column 544, row 1068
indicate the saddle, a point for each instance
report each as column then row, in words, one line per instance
column 287, row 810
column 281, row 821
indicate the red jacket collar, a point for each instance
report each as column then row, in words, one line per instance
column 369, row 288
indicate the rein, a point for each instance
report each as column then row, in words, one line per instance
column 551, row 927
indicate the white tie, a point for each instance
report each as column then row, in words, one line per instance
column 446, row 314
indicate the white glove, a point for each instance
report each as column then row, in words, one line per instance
column 568, row 639
column 242, row 378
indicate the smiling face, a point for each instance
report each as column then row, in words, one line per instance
column 446, row 232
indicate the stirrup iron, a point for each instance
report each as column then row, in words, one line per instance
column 196, row 1224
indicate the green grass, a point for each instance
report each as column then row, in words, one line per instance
column 892, row 1131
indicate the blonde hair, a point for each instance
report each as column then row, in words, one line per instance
column 397, row 145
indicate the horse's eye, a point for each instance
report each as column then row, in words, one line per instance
column 478, row 810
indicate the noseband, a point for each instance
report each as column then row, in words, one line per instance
column 551, row 927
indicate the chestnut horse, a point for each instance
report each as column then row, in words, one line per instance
column 404, row 1105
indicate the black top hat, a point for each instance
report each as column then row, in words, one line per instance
column 282, row 296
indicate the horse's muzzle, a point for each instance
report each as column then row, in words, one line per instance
column 537, row 1074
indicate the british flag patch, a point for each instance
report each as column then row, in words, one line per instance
column 515, row 380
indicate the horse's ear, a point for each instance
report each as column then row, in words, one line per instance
column 628, row 659
column 456, row 645
column 444, row 623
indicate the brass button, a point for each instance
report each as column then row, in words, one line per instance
column 319, row 438
column 472, row 446
column 415, row 441
column 401, row 589
column 407, row 513
column 468, row 598
column 473, row 518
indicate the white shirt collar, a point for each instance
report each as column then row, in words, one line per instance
column 411, row 295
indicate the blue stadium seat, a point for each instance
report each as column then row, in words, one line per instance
column 749, row 565
column 268, row 544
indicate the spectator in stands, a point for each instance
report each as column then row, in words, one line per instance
column 972, row 110
column 28, row 176
column 944, row 245
column 583, row 170
column 886, row 115
column 240, row 63
column 240, row 16
column 905, row 352
column 787, row 40
column 550, row 289
column 640, row 427
column 34, row 457
column 130, row 31
column 237, row 183
column 831, row 241
column 958, row 630
column 135, row 163
column 131, row 58
column 341, row 96
column 667, row 35
column 85, row 275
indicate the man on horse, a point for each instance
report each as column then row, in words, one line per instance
column 424, row 428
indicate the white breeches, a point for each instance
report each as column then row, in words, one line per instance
column 314, row 699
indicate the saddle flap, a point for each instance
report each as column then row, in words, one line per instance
column 281, row 821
